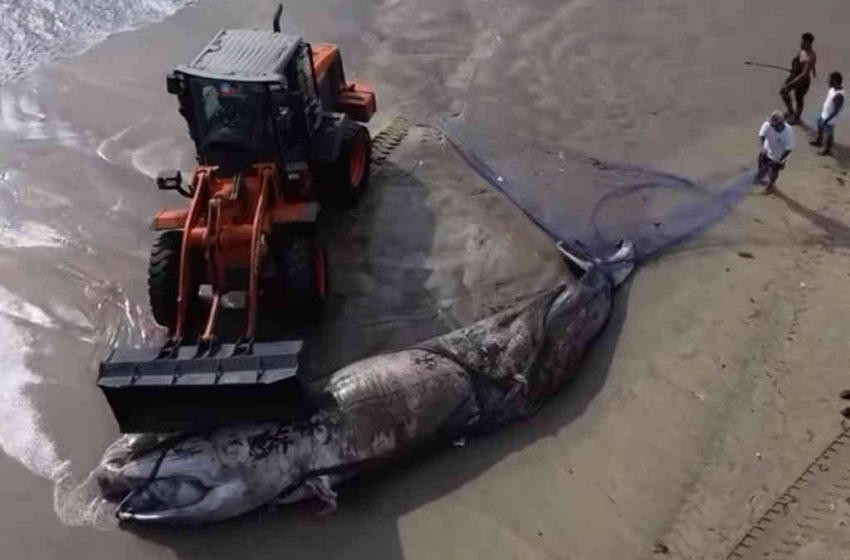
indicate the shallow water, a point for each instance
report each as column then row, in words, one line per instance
column 35, row 31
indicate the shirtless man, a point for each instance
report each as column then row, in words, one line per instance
column 803, row 69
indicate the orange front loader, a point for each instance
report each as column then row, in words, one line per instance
column 278, row 136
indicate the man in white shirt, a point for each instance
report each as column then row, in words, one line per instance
column 776, row 141
column 831, row 109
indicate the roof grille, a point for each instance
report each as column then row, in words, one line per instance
column 239, row 53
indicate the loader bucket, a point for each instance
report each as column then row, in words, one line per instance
column 188, row 387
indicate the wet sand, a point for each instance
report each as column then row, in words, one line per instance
column 713, row 387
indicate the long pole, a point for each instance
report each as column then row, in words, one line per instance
column 765, row 65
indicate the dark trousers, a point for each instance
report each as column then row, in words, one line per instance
column 769, row 168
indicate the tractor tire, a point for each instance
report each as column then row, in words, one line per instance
column 164, row 277
column 344, row 180
column 296, row 290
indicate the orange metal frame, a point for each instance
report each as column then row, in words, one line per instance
column 355, row 99
column 226, row 223
column 324, row 54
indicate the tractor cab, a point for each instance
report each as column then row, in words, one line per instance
column 233, row 122
column 262, row 96
column 249, row 96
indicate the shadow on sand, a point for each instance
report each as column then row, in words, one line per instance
column 841, row 153
column 370, row 506
column 836, row 233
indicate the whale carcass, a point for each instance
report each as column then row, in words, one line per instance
column 474, row 379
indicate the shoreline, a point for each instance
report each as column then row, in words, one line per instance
column 50, row 53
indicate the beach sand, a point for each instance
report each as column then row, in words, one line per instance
column 712, row 389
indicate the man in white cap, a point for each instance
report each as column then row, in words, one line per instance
column 776, row 140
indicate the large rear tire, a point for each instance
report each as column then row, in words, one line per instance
column 343, row 181
column 164, row 277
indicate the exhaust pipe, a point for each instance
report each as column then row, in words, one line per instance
column 276, row 20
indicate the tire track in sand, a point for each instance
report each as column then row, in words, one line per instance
column 816, row 504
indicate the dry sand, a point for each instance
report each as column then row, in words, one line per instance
column 713, row 388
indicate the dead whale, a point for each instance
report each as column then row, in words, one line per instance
column 477, row 378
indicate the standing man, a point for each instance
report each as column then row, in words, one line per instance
column 803, row 69
column 831, row 109
column 776, row 141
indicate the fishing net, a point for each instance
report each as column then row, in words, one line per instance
column 579, row 198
